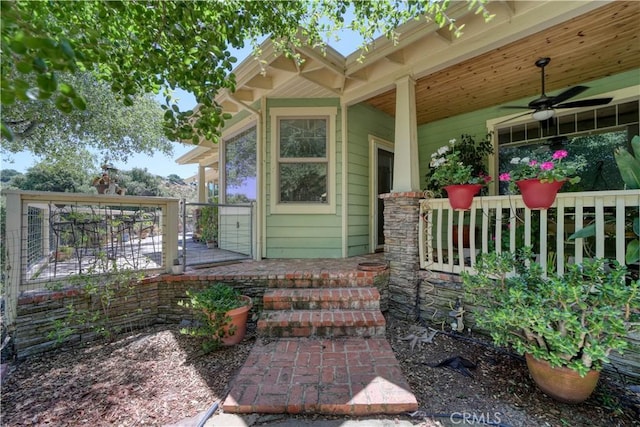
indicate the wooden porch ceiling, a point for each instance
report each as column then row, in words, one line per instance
column 599, row 44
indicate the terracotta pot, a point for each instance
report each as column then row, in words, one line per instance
column 539, row 195
column 238, row 322
column 562, row 384
column 461, row 196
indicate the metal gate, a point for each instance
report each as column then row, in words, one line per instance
column 215, row 232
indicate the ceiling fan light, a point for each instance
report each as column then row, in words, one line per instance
column 542, row 115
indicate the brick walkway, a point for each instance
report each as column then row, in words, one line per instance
column 352, row 371
column 347, row 375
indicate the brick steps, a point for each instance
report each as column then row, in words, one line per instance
column 322, row 312
column 323, row 299
column 322, row 279
column 322, row 323
column 330, row 355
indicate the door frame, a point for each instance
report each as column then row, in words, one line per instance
column 375, row 143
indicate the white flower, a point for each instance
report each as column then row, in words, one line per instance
column 452, row 141
column 433, row 155
column 515, row 160
column 525, row 160
column 442, row 150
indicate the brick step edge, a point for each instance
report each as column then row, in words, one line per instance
column 304, row 323
column 325, row 280
column 322, row 299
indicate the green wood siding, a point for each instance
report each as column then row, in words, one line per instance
column 304, row 235
column 362, row 121
column 436, row 134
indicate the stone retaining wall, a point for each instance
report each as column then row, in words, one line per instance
column 150, row 301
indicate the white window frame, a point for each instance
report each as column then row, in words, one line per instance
column 276, row 114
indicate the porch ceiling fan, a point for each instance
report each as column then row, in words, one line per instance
column 544, row 107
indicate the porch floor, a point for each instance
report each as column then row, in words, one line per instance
column 329, row 375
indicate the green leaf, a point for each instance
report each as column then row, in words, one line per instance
column 6, row 132
column 588, row 231
column 633, row 252
column 39, row 65
column 629, row 167
column 67, row 90
column 67, row 49
column 79, row 103
column 63, row 104
column 7, row 96
column 24, row 67
column 128, row 101
column 18, row 47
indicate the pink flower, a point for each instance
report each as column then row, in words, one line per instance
column 504, row 176
column 533, row 162
column 546, row 166
column 560, row 154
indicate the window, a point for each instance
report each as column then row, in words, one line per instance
column 592, row 134
column 302, row 160
column 240, row 167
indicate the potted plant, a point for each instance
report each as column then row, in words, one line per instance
column 459, row 168
column 566, row 326
column 539, row 180
column 223, row 314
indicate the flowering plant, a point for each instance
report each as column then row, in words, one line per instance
column 546, row 169
column 459, row 163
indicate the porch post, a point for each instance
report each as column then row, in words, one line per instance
column 401, row 220
column 202, row 184
column 406, row 174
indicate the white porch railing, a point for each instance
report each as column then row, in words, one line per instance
column 451, row 240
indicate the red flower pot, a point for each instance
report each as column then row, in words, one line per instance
column 461, row 195
column 538, row 195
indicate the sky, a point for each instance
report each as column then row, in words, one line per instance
column 160, row 164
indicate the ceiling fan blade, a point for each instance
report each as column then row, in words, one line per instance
column 584, row 103
column 513, row 118
column 518, row 107
column 569, row 93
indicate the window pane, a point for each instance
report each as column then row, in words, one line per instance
column 303, row 138
column 240, row 167
column 305, row 182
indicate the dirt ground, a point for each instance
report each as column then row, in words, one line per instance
column 157, row 376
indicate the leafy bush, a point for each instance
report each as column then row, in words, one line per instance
column 574, row 320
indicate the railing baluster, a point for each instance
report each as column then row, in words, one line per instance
column 579, row 223
column 472, row 233
column 498, row 227
column 620, row 232
column 485, row 228
column 544, row 234
column 450, row 262
column 560, row 236
column 527, row 227
column 461, row 239
column 599, row 204
column 439, row 238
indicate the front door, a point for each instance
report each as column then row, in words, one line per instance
column 382, row 183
